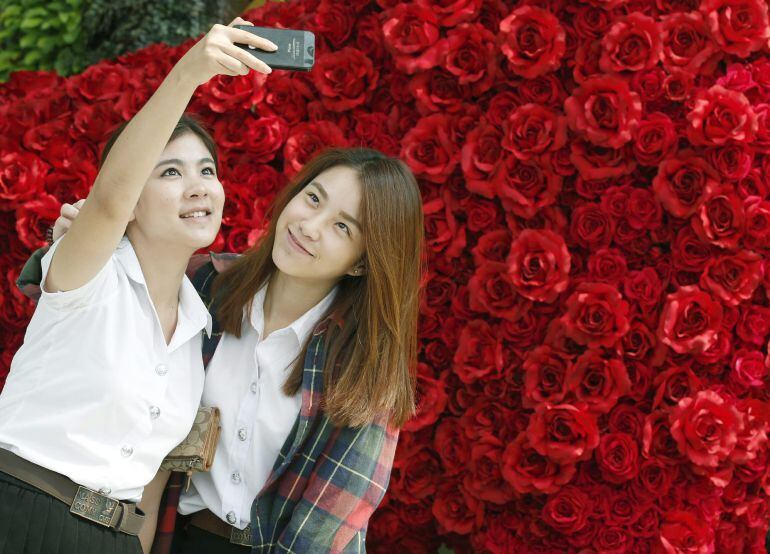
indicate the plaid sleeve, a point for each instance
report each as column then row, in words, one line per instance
column 31, row 274
column 346, row 486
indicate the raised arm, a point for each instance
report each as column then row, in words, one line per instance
column 95, row 233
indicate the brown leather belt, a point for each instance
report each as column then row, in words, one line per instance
column 206, row 520
column 83, row 502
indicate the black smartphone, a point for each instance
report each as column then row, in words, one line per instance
column 296, row 48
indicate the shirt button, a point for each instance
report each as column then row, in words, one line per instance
column 126, row 451
column 253, row 388
column 161, row 369
column 105, row 491
column 242, row 434
column 154, row 412
column 230, row 518
column 235, row 477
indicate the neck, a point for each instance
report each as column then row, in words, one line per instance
column 287, row 298
column 163, row 267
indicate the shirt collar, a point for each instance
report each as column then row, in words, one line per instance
column 190, row 303
column 302, row 326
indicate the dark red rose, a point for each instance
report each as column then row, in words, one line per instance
column 705, row 427
column 452, row 446
column 22, row 175
column 591, row 21
column 432, row 400
column 685, row 532
column 654, row 478
column 452, row 12
column 287, row 98
column 720, row 218
column 748, row 368
column 607, row 265
column 591, row 227
column 739, row 27
column 757, row 225
column 547, row 90
column 754, row 324
column 597, row 162
column 411, row 33
column 533, row 41
column 683, row 184
column 596, row 315
column 690, row 320
column 456, row 510
column 492, row 290
column 644, row 287
column 33, row 219
column 307, row 139
column 443, row 233
column 224, row 93
column 563, row 433
column 733, row 161
column 567, row 511
column 539, row 265
column 733, row 278
column 525, row 188
column 437, row 90
column 686, row 41
column 428, row 149
column 654, row 139
column 604, row 110
column 415, row 470
column 103, row 81
column 545, row 369
column 532, row 130
column 345, row 78
column 689, row 252
column 674, row 384
column 644, row 213
column 94, row 122
column 470, row 56
column 480, row 158
column 597, row 381
column 334, row 21
column 632, row 43
column 719, row 115
column 484, row 478
column 479, row 352
column 492, row 246
column 527, row 471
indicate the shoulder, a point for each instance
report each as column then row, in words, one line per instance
column 203, row 268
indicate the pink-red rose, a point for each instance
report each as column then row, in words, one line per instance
column 720, row 115
column 533, row 41
column 690, row 320
column 739, row 27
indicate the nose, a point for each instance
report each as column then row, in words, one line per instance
column 309, row 228
column 196, row 188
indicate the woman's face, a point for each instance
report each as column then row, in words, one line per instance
column 181, row 204
column 318, row 234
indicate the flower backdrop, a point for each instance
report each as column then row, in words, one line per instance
column 593, row 368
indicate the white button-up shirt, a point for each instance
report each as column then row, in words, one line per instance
column 244, row 379
column 95, row 393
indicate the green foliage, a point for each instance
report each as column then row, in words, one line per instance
column 40, row 34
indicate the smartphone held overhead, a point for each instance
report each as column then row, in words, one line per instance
column 296, row 48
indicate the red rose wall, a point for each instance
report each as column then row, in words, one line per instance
column 593, row 365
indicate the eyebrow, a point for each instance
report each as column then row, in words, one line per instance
column 177, row 161
column 345, row 215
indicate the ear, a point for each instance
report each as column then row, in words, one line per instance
column 357, row 271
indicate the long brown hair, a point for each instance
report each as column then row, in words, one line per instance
column 371, row 354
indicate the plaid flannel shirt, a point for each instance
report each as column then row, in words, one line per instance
column 326, row 482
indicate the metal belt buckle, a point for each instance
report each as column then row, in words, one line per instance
column 95, row 507
column 241, row 537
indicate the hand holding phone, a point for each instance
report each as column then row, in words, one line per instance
column 296, row 48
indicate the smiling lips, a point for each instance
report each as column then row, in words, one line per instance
column 297, row 244
column 195, row 214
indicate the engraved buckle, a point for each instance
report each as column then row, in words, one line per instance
column 95, row 507
column 242, row 537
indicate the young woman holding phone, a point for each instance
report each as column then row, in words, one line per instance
column 110, row 374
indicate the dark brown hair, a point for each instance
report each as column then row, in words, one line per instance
column 186, row 124
column 371, row 355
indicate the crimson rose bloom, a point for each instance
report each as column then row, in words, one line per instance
column 492, row 290
column 683, row 532
column 591, row 226
column 690, row 320
column 720, row 115
column 532, row 130
column 618, row 457
column 526, row 187
column 705, row 428
column 307, row 139
column 757, row 222
column 733, row 278
column 345, row 78
column 411, row 33
column 539, row 265
column 604, row 110
column 545, row 369
column 527, row 471
column 455, row 509
column 568, row 510
column 565, row 433
column 686, row 41
column 596, row 315
column 654, row 139
column 428, row 150
column 748, row 368
column 533, row 41
column 720, row 218
column 480, row 158
column 632, row 44
column 683, row 183
column 479, row 352
column 739, row 27
column 598, row 381
column 470, row 56
column 22, row 175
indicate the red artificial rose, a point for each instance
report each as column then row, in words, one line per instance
column 411, row 33
column 525, row 188
column 643, row 287
column 470, row 56
column 484, row 479
column 690, row 320
column 686, row 41
column 720, row 218
column 452, row 446
column 306, row 140
column 719, row 115
column 103, row 81
column 564, row 433
column 437, row 90
column 733, row 161
column 604, row 110
column 607, row 265
column 598, row 162
column 33, row 219
column 480, row 158
column 492, row 290
column 739, row 27
column 733, row 278
column 415, row 470
column 657, row 441
column 596, row 315
column 545, row 369
column 567, row 511
column 345, row 78
column 532, row 130
column 654, row 139
column 591, row 227
column 456, row 510
column 94, row 122
column 432, row 400
column 452, row 12
column 754, row 324
column 286, row 97
column 748, row 368
column 654, row 478
column 533, row 41
column 479, row 353
column 683, row 184
column 22, row 175
column 705, row 427
column 683, row 532
column 632, row 43
column 757, row 226
column 539, row 265
column 674, row 384
column 224, row 93
column 597, row 381
column 428, row 149
column 492, row 246
column 334, row 21
column 528, row 472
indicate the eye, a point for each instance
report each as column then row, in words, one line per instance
column 211, row 170
column 313, row 196
column 165, row 173
column 347, row 229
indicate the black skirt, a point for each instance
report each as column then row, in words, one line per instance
column 33, row 522
column 189, row 539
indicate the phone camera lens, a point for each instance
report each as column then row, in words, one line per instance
column 311, row 50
